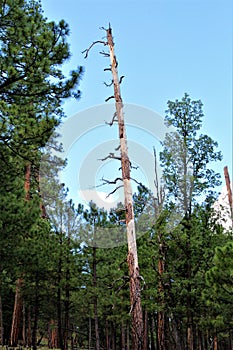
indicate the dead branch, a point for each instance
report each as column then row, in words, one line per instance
column 106, row 69
column 137, row 182
column 108, row 85
column 143, row 280
column 113, row 182
column 110, row 156
column 94, row 43
column 125, row 281
column 114, row 119
column 116, row 189
column 105, row 54
column 109, row 98
column 121, row 78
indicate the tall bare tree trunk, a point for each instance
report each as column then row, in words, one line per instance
column 229, row 192
column 161, row 262
column 135, row 294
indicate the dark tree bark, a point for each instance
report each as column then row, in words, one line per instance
column 67, row 294
column 36, row 316
column 97, row 338
column 152, row 330
column 29, row 329
column 59, row 306
column 1, row 324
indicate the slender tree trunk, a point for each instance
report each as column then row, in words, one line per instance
column 127, row 337
column 17, row 313
column 145, row 341
column 151, row 326
column 29, row 329
column 107, row 335
column 67, row 293
column 59, row 311
column 66, row 320
column 135, row 294
column 161, row 315
column 89, row 334
column 15, row 327
column 123, row 336
column 1, row 324
column 97, row 338
column 36, row 316
column 161, row 262
column 52, row 337
column 189, row 297
column 24, row 326
column 113, row 336
column 215, row 347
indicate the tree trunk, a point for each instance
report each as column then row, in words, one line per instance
column 229, row 192
column 135, row 294
column 123, row 336
column 97, row 338
column 189, row 298
column 18, row 299
column 161, row 315
column 127, row 337
column 145, row 334
column 59, row 316
column 1, row 324
column 67, row 294
column 215, row 347
column 52, row 337
column 89, row 334
column 113, row 336
column 107, row 334
column 151, row 327
column 24, row 326
column 16, row 318
column 36, row 316
column 29, row 331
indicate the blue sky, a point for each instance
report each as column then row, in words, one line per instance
column 164, row 48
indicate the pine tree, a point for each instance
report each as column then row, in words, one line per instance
column 32, row 87
column 185, row 160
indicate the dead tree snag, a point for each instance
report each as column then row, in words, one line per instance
column 133, row 266
column 135, row 289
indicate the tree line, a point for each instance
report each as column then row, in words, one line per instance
column 57, row 287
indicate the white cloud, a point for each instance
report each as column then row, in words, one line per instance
column 101, row 199
column 222, row 209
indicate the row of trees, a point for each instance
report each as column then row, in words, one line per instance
column 56, row 285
